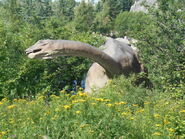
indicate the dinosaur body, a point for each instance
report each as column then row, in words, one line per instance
column 117, row 58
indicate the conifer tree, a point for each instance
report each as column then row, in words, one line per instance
column 84, row 16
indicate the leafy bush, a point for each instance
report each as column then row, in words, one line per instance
column 163, row 49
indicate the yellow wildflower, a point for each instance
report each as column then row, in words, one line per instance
column 15, row 100
column 32, row 102
column 91, row 131
column 132, row 118
column 75, row 101
column 99, row 99
column 73, row 96
column 54, row 96
column 166, row 103
column 84, row 125
column 11, row 106
column 2, row 133
column 4, row 99
column 135, row 105
column 11, row 121
column 119, row 110
column 158, row 125
column 55, row 117
column 182, row 111
column 78, row 112
column 63, row 91
column 109, row 81
column 21, row 100
column 93, row 103
column 124, row 113
column 1, row 103
column 78, row 100
column 156, row 134
column 46, row 113
column 166, row 122
column 171, row 129
column 81, row 100
column 40, row 97
column 106, row 100
column 82, row 94
column 140, row 111
column 109, row 105
column 120, row 103
column 157, row 115
column 67, row 107
column 146, row 103
column 81, row 89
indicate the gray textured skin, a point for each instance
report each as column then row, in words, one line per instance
column 117, row 58
column 138, row 5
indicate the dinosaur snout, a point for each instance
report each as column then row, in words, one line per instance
column 28, row 51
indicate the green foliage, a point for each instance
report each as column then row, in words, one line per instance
column 115, row 112
column 131, row 24
column 107, row 10
column 163, row 48
column 161, row 40
column 117, row 6
column 84, row 16
column 64, row 8
column 103, row 21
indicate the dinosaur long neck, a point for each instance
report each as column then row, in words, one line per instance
column 73, row 48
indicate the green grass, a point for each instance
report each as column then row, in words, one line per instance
column 119, row 111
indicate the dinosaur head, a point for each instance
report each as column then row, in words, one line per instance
column 40, row 50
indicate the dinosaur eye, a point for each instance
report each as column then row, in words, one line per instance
column 44, row 44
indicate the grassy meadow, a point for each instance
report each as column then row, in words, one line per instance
column 114, row 112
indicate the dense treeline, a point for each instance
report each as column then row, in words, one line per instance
column 23, row 22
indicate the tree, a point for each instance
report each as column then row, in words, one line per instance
column 103, row 20
column 84, row 16
column 117, row 6
column 131, row 23
column 107, row 10
column 65, row 8
column 163, row 45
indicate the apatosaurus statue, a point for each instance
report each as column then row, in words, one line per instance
column 118, row 57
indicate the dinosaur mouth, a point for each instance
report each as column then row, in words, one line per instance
column 34, row 51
